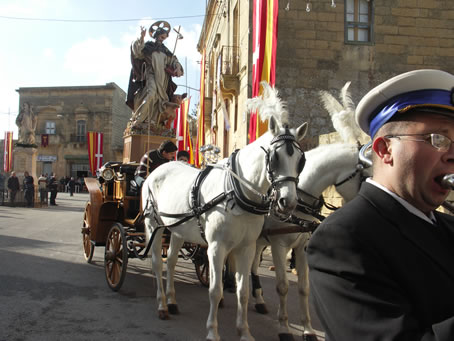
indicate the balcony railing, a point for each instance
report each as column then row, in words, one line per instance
column 77, row 138
column 230, row 60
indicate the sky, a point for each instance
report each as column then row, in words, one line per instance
column 87, row 42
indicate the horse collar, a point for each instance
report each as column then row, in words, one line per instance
column 242, row 201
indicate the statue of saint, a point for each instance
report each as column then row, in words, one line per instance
column 151, row 89
column 26, row 121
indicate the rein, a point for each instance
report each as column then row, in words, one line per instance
column 359, row 169
column 236, row 181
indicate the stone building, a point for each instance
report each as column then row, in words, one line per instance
column 65, row 114
column 322, row 44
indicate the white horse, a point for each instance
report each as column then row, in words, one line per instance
column 236, row 217
column 333, row 164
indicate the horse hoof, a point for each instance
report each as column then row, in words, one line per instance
column 163, row 315
column 286, row 337
column 261, row 308
column 173, row 309
column 221, row 303
column 310, row 337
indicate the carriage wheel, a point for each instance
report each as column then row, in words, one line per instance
column 202, row 268
column 116, row 257
column 89, row 247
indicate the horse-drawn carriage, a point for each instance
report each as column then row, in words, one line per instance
column 113, row 218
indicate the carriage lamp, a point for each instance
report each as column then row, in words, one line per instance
column 107, row 174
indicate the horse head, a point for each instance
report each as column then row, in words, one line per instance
column 284, row 159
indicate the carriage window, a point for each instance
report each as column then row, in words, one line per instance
column 50, row 127
column 358, row 21
column 81, row 131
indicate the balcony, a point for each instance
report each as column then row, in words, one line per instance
column 77, row 138
column 229, row 79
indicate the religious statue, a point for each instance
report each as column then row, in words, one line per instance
column 151, row 89
column 26, row 121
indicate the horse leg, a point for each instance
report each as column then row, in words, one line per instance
column 216, row 259
column 279, row 254
column 156, row 266
column 172, row 258
column 257, row 292
column 243, row 261
column 303, row 292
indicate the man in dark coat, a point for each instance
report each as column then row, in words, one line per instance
column 152, row 159
column 29, row 189
column 71, row 186
column 13, row 187
column 53, row 189
column 382, row 267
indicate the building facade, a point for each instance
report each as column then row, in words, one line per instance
column 65, row 115
column 321, row 45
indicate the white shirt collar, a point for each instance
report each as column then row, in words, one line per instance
column 412, row 209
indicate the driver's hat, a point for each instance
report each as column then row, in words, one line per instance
column 427, row 90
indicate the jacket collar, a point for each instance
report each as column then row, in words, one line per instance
column 412, row 227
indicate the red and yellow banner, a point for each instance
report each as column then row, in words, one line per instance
column 264, row 42
column 182, row 129
column 8, row 152
column 95, row 150
column 201, row 115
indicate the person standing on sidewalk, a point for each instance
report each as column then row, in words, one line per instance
column 71, row 186
column 53, row 188
column 29, row 189
column 13, row 187
column 42, row 185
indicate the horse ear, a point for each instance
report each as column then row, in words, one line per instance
column 301, row 132
column 273, row 127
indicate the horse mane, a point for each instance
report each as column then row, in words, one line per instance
column 342, row 114
column 269, row 104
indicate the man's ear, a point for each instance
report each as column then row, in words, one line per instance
column 382, row 149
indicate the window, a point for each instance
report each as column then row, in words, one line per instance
column 81, row 131
column 358, row 21
column 50, row 127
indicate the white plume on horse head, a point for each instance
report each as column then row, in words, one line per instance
column 342, row 114
column 269, row 104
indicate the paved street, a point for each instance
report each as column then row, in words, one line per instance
column 48, row 291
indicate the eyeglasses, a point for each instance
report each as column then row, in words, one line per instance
column 438, row 141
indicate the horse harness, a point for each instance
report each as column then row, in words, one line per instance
column 236, row 192
column 302, row 225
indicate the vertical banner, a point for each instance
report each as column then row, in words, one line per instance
column 189, row 149
column 95, row 150
column 8, row 151
column 179, row 132
column 44, row 140
column 185, row 109
column 264, row 42
column 200, row 141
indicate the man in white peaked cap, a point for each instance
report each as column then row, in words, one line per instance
column 382, row 266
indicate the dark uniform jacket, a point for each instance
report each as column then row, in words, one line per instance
column 53, row 184
column 28, row 183
column 13, row 183
column 149, row 162
column 378, row 272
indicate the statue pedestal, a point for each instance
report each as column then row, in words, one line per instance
column 24, row 160
column 136, row 145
